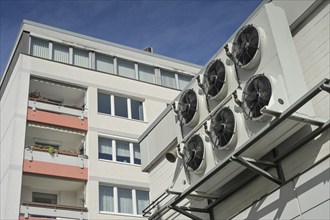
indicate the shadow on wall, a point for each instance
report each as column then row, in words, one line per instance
column 283, row 202
column 286, row 200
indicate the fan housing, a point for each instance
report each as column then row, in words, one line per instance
column 247, row 47
column 223, row 127
column 256, row 94
column 215, row 85
column 188, row 108
column 194, row 154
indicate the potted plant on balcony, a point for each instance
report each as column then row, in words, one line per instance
column 51, row 150
column 35, row 95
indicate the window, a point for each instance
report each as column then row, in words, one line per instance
column 168, row 79
column 80, row 57
column 105, row 148
column 44, row 198
column 104, row 105
column 142, row 200
column 120, row 200
column 125, row 203
column 183, row 81
column 146, row 73
column 123, row 107
column 118, row 150
column 122, row 151
column 104, row 63
column 60, row 53
column 106, row 201
column 137, row 110
column 39, row 48
column 126, row 68
column 136, row 153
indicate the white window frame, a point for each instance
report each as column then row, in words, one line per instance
column 129, row 106
column 115, row 199
column 176, row 78
column 114, row 149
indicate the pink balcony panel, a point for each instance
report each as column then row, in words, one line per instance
column 53, row 169
column 56, row 119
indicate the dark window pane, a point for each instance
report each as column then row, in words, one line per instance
column 183, row 81
column 121, row 107
column 168, row 79
column 137, row 110
column 126, row 68
column 105, row 148
column 122, row 149
column 137, row 156
column 106, row 199
column 125, row 201
column 142, row 200
column 44, row 198
column 103, row 101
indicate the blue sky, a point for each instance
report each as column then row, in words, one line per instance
column 188, row 30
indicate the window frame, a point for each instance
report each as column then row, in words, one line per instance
column 34, row 197
column 129, row 106
column 115, row 202
column 104, row 56
column 114, row 158
column 176, row 78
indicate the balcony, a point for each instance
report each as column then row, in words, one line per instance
column 57, row 97
column 55, row 164
column 52, row 198
column 55, row 151
column 57, row 119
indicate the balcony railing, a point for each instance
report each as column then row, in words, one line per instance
column 53, row 210
column 67, row 164
column 62, row 120
column 57, row 107
column 57, row 156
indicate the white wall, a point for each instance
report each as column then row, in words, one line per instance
column 12, row 133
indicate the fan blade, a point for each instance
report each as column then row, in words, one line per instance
column 243, row 37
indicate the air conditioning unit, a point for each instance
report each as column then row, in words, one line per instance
column 190, row 109
column 197, row 156
column 218, row 80
column 258, row 70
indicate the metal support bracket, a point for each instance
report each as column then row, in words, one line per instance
column 251, row 164
column 185, row 213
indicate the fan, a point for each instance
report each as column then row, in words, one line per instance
column 193, row 153
column 246, row 45
column 215, row 76
column 256, row 95
column 187, row 107
column 223, row 128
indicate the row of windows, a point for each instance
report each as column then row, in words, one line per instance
column 119, row 106
column 120, row 151
column 122, row 200
column 105, row 63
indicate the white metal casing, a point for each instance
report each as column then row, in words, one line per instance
column 280, row 64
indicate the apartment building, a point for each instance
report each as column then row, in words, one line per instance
column 72, row 109
column 249, row 138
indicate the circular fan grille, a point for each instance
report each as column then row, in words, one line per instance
column 215, row 75
column 187, row 106
column 256, row 95
column 246, row 45
column 223, row 127
column 193, row 153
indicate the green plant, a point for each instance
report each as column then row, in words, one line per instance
column 51, row 150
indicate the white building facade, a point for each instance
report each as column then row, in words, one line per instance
column 258, row 147
column 72, row 109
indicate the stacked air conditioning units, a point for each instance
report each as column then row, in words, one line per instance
column 258, row 68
